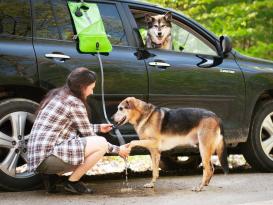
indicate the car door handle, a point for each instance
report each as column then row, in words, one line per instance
column 159, row 64
column 206, row 63
column 57, row 55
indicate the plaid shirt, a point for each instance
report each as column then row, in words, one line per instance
column 55, row 131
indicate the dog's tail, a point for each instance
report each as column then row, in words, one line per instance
column 221, row 150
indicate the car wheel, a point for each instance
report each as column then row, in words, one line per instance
column 16, row 120
column 258, row 150
column 179, row 162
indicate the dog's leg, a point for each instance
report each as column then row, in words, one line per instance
column 170, row 43
column 151, row 145
column 207, row 169
column 206, row 151
column 148, row 41
column 155, row 157
column 209, row 177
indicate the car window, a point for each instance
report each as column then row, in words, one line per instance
column 183, row 39
column 54, row 21
column 45, row 25
column 15, row 18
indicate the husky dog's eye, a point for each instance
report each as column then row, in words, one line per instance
column 163, row 26
column 120, row 108
column 156, row 26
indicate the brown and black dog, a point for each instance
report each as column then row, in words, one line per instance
column 161, row 129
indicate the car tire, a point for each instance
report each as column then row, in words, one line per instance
column 168, row 163
column 16, row 119
column 258, row 150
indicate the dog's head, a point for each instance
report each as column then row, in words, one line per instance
column 159, row 27
column 129, row 110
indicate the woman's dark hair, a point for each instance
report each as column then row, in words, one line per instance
column 76, row 82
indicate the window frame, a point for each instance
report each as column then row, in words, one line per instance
column 204, row 35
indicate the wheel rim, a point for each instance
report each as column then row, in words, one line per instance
column 14, row 133
column 266, row 136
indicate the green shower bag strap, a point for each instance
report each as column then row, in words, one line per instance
column 89, row 27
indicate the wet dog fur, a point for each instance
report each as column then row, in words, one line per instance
column 159, row 31
column 161, row 129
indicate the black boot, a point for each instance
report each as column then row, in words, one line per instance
column 77, row 187
column 50, row 182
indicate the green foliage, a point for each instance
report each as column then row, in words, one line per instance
column 248, row 22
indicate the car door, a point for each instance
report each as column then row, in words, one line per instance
column 192, row 73
column 57, row 55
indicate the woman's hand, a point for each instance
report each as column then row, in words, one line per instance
column 124, row 151
column 104, row 128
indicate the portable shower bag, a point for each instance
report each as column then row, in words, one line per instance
column 89, row 27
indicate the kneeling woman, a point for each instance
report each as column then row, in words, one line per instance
column 62, row 138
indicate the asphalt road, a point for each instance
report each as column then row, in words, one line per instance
column 233, row 189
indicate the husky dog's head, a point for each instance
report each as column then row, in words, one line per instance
column 159, row 28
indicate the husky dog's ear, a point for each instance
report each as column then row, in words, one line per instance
column 148, row 18
column 168, row 16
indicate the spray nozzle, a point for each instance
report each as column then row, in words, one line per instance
column 97, row 45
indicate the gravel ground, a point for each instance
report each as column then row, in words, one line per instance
column 143, row 163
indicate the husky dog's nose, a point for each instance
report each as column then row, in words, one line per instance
column 159, row 33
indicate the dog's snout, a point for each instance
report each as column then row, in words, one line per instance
column 159, row 33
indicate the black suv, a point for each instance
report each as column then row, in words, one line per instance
column 37, row 51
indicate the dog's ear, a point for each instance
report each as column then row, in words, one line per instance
column 168, row 16
column 148, row 18
column 129, row 104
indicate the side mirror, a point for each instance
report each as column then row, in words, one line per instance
column 226, row 44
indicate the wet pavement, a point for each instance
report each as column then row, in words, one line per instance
column 239, row 187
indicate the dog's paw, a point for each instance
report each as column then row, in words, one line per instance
column 149, row 185
column 197, row 188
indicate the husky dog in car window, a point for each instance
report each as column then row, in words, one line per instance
column 159, row 31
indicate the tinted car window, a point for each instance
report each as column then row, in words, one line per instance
column 15, row 18
column 45, row 25
column 54, row 21
column 183, row 39
column 63, row 20
column 113, row 24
